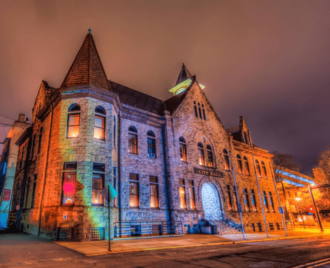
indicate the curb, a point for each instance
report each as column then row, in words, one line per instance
column 206, row 245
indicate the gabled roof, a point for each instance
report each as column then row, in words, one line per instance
column 184, row 75
column 173, row 103
column 137, row 99
column 87, row 68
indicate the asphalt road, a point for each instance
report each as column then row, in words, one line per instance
column 22, row 250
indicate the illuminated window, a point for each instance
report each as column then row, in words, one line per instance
column 246, row 200
column 203, row 112
column 264, row 195
column 191, row 192
column 229, row 200
column 235, row 208
column 201, row 159
column 182, row 194
column 132, row 140
column 34, row 190
column 226, row 158
column 98, row 184
column 253, row 200
column 240, row 164
column 246, row 166
column 151, row 141
column 209, row 156
column 195, row 107
column 153, row 191
column 40, row 139
column 271, row 201
column 99, row 123
column 258, row 168
column 73, row 121
column 69, row 183
column 133, row 190
column 264, row 169
column 183, row 149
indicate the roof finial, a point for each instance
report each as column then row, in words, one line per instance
column 90, row 31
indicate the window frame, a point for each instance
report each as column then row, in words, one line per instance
column 239, row 164
column 68, row 171
column 246, row 166
column 101, row 115
column 134, row 182
column 101, row 174
column 191, row 193
column 258, row 169
column 209, row 152
column 151, row 137
column 154, row 184
column 264, row 169
column 74, row 110
column 201, row 154
column 132, row 131
column 226, row 159
column 183, row 149
column 182, row 198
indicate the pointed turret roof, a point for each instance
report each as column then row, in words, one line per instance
column 184, row 75
column 87, row 68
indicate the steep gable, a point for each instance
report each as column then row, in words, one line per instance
column 87, row 68
column 44, row 93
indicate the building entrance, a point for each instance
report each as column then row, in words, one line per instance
column 211, row 202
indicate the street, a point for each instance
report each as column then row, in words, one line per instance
column 23, row 250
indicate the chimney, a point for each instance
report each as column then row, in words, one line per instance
column 21, row 118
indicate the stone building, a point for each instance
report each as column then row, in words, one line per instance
column 172, row 162
column 8, row 167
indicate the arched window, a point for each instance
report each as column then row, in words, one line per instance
column 253, row 200
column 258, row 168
column 264, row 168
column 209, row 156
column 226, row 158
column 195, row 107
column 183, row 149
column 132, row 140
column 39, row 141
column 201, row 159
column 199, row 110
column 73, row 121
column 151, row 144
column 203, row 112
column 99, row 123
column 246, row 166
column 240, row 164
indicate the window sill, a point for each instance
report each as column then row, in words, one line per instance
column 95, row 139
column 135, row 207
column 97, row 205
column 132, row 153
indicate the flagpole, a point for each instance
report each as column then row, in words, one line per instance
column 109, row 246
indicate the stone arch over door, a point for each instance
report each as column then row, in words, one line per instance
column 211, row 198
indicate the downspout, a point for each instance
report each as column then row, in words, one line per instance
column 119, row 173
column 260, row 199
column 46, row 166
column 169, row 207
column 236, row 189
column 279, row 203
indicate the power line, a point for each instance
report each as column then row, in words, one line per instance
column 7, row 117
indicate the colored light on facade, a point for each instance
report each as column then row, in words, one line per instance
column 182, row 87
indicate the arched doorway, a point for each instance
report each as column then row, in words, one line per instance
column 211, row 202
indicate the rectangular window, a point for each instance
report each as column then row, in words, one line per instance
column 246, row 200
column 265, row 201
column 253, row 200
column 99, row 127
column 153, row 192
column 182, row 194
column 34, row 190
column 229, row 200
column 195, row 107
column 235, row 208
column 98, row 184
column 133, row 190
column 151, row 147
column 191, row 192
column 201, row 157
column 73, row 125
column 39, row 141
column 27, row 192
column 183, row 153
column 199, row 110
column 132, row 143
column 69, row 183
column 271, row 201
column 203, row 112
column 33, row 143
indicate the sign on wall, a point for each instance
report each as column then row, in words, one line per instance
column 6, row 195
column 208, row 173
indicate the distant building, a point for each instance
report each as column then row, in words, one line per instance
column 173, row 162
column 8, row 167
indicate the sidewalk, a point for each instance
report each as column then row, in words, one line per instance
column 93, row 248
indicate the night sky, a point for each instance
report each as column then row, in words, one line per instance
column 266, row 60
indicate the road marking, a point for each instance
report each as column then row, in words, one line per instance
column 314, row 264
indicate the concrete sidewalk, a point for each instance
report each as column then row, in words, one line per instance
column 93, row 248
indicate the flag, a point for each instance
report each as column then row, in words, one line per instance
column 104, row 192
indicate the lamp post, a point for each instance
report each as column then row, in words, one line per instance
column 316, row 211
column 298, row 200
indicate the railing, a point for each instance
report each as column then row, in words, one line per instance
column 231, row 222
column 147, row 228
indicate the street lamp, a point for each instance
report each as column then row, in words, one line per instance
column 298, row 200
